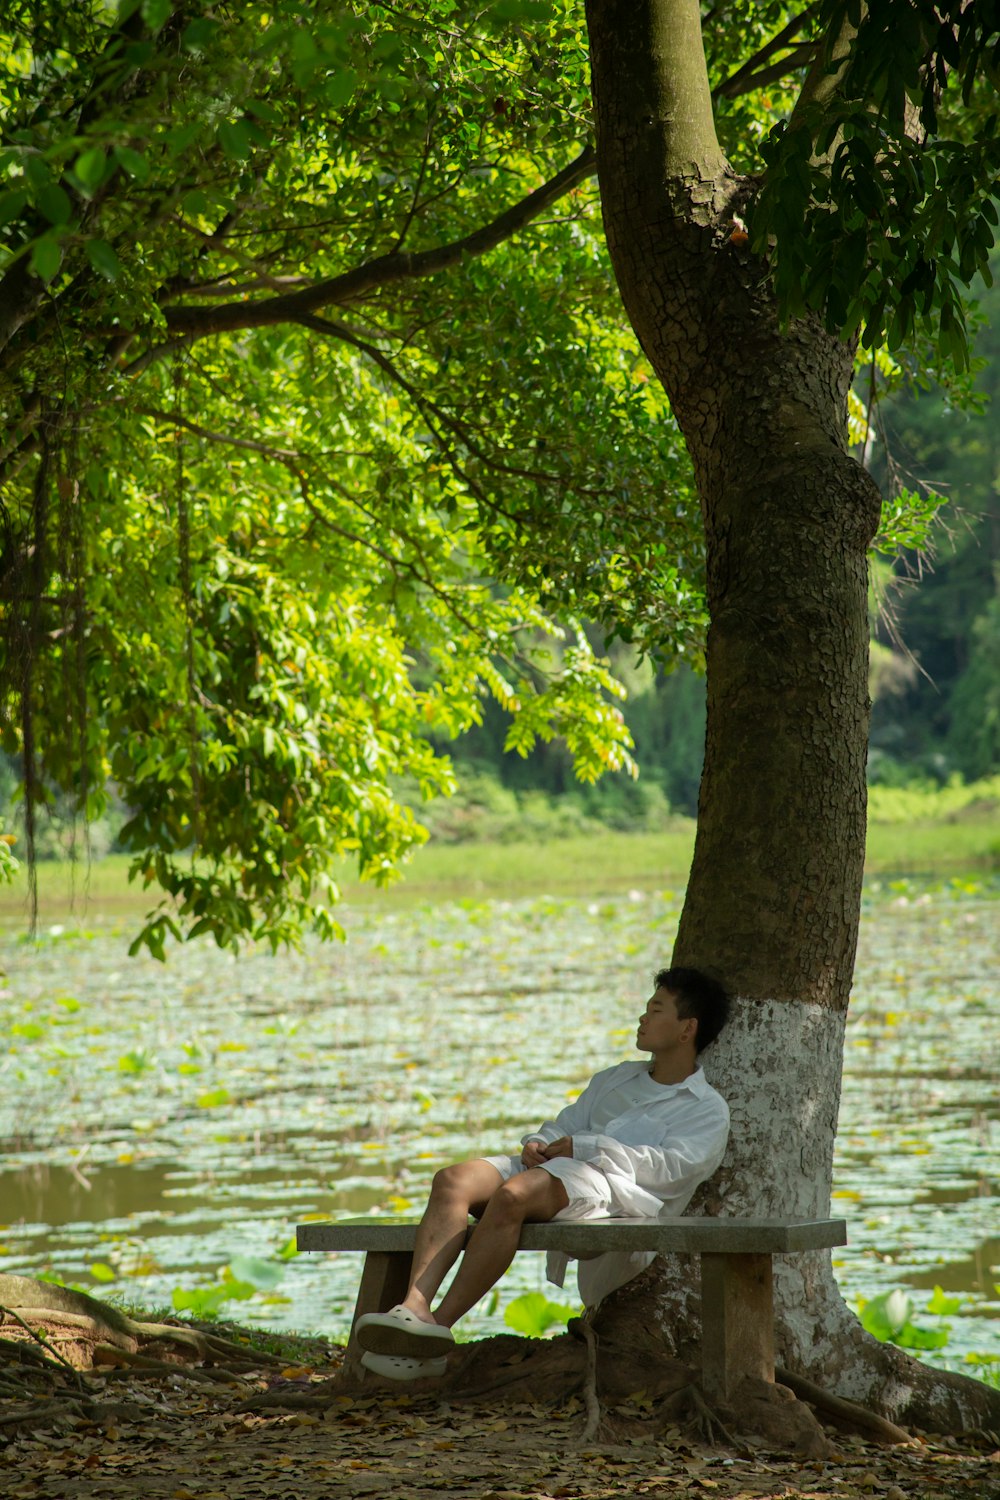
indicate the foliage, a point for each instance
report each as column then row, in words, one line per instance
column 940, row 601
column 927, row 802
column 889, row 1318
column 8, row 863
column 534, row 1315
column 240, row 1280
column 253, row 551
column 880, row 185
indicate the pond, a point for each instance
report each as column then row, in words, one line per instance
column 165, row 1127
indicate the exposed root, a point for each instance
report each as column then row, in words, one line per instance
column 36, row 1334
column 844, row 1414
column 30, row 1302
column 689, row 1406
column 27, row 1357
column 109, row 1354
column 593, row 1423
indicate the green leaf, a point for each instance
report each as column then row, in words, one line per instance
column 133, row 162
column 263, row 1274
column 46, row 256
column 55, row 203
column 156, row 13
column 12, row 204
column 339, row 88
column 197, row 202
column 103, row 259
column 90, row 168
column 910, row 1336
column 942, row 1306
column 235, row 139
column 213, row 1098
column 199, row 33
column 533, row 1314
column 101, row 1271
column 37, row 171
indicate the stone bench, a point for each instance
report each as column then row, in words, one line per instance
column 736, row 1271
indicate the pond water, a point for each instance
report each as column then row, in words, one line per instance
column 159, row 1123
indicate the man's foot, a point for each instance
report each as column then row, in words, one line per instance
column 393, row 1367
column 400, row 1332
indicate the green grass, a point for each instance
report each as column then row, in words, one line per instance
column 591, row 864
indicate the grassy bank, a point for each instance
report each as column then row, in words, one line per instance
column 592, row 864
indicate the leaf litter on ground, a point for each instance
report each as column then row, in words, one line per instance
column 172, row 1440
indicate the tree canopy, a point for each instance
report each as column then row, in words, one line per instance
column 296, row 475
column 323, row 420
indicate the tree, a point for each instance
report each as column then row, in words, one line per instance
column 747, row 290
column 216, row 191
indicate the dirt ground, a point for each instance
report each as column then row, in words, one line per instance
column 127, row 1433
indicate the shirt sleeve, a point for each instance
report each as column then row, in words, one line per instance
column 572, row 1119
column 678, row 1163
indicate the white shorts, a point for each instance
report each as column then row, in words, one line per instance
column 589, row 1193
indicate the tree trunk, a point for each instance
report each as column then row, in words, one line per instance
column 773, row 899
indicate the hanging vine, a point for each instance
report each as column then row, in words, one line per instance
column 187, row 595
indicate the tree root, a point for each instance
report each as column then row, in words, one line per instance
column 593, row 1423
column 110, row 1354
column 27, row 1301
column 38, row 1336
column 843, row 1413
column 28, row 1358
column 705, row 1421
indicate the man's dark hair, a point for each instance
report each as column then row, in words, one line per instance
column 697, row 995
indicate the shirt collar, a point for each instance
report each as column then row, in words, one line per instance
column 696, row 1083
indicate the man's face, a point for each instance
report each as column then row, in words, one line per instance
column 660, row 1027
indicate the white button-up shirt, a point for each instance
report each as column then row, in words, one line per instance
column 652, row 1142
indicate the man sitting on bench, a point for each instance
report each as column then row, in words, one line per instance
column 635, row 1144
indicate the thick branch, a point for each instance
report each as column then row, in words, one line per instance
column 740, row 82
column 825, row 76
column 798, row 57
column 384, row 271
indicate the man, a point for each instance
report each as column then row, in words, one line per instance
column 636, row 1143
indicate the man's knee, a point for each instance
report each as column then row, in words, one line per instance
column 461, row 1180
column 448, row 1180
column 532, row 1194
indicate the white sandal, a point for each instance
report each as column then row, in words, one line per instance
column 400, row 1332
column 392, row 1367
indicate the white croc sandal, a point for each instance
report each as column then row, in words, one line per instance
column 400, row 1332
column 393, row 1367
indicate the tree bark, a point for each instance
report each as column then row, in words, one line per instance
column 773, row 899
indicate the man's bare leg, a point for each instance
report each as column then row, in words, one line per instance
column 455, row 1193
column 534, row 1196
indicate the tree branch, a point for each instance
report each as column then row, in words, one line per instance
column 798, row 56
column 736, row 84
column 174, row 419
column 385, row 270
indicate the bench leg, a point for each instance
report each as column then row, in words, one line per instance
column 737, row 1321
column 385, row 1281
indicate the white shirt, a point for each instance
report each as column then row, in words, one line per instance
column 653, row 1142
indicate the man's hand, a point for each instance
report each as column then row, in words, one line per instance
column 534, row 1154
column 562, row 1147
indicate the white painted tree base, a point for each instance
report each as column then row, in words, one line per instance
column 779, row 1066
